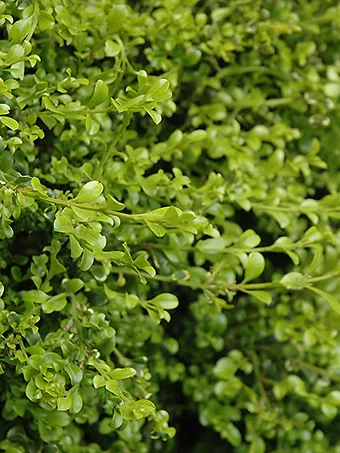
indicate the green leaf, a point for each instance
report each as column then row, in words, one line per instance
column 175, row 138
column 55, row 303
column 282, row 218
column 4, row 109
column 257, row 446
column 64, row 403
column 36, row 185
column 157, row 229
column 88, row 169
column 86, row 260
column 100, row 94
column 91, row 125
column 309, row 338
column 91, row 237
column 329, row 410
column 18, row 70
column 47, row 102
column 76, row 249
column 56, row 418
column 197, row 135
column 248, row 239
column 173, row 217
column 219, row 14
column 332, row 89
column 20, row 29
column 117, row 17
column 293, row 256
column 143, row 408
column 263, row 296
column 35, row 296
column 142, row 263
column 75, row 373
column 333, row 302
column 172, row 345
column 77, row 403
column 255, row 266
column 105, row 426
column 131, row 301
column 212, row 246
column 334, row 397
column 32, row 391
column 46, row 21
column 312, row 235
column 293, row 280
column 48, row 120
column 114, row 204
column 224, row 368
column 73, row 285
column 156, row 117
column 166, row 301
column 99, row 381
column 122, row 373
column 63, row 224
column 89, row 192
column 112, row 386
column 117, row 420
column 112, row 48
column 232, row 434
column 6, row 162
column 317, row 259
column 15, row 53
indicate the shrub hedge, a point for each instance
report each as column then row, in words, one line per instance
column 169, row 156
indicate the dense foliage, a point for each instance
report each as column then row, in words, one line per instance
column 169, row 155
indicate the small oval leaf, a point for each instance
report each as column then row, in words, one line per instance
column 255, row 266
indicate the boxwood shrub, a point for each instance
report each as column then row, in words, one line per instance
column 169, row 213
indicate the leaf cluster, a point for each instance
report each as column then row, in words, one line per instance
column 169, row 213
